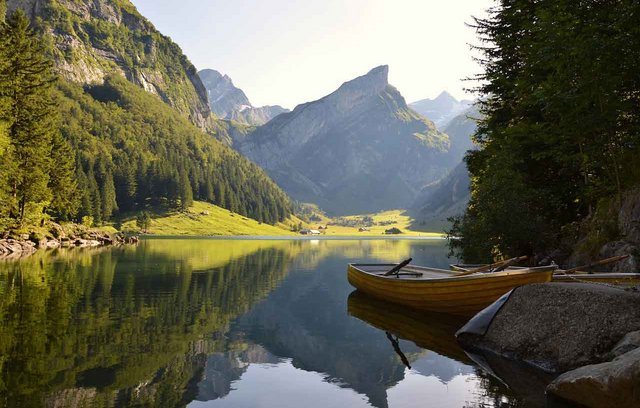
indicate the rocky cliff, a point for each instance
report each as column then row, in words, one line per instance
column 229, row 102
column 95, row 38
column 359, row 149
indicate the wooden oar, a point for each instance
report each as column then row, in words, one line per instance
column 399, row 266
column 501, row 264
column 509, row 263
column 597, row 263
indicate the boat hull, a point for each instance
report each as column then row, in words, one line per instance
column 463, row 296
column 624, row 279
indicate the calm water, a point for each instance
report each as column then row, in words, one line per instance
column 227, row 323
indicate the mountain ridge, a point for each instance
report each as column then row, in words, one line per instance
column 231, row 103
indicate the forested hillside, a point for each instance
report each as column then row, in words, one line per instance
column 142, row 153
column 72, row 151
column 561, row 128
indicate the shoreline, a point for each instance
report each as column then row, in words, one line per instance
column 295, row 238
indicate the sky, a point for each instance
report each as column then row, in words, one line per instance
column 287, row 52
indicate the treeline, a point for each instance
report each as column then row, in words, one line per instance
column 561, row 128
column 70, row 153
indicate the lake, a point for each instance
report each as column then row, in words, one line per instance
column 227, row 323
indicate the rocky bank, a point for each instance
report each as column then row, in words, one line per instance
column 27, row 244
column 589, row 333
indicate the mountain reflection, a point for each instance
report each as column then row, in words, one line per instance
column 210, row 322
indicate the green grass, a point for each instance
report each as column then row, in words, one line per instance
column 396, row 218
column 206, row 219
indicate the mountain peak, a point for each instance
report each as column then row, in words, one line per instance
column 372, row 82
column 446, row 96
column 381, row 72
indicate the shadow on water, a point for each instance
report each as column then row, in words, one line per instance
column 215, row 323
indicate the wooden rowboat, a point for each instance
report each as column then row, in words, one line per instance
column 624, row 279
column 440, row 290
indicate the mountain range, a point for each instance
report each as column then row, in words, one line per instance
column 229, row 102
column 441, row 109
column 359, row 149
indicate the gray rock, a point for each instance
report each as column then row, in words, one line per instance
column 617, row 248
column 629, row 216
column 559, row 326
column 613, row 384
column 629, row 342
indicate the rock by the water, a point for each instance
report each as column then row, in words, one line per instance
column 559, row 326
column 613, row 384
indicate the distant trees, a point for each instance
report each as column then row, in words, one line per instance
column 561, row 129
column 36, row 161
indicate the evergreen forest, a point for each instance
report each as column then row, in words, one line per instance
column 561, row 130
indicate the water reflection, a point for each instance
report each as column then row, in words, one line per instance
column 224, row 323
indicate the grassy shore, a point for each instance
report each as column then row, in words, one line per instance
column 391, row 219
column 208, row 219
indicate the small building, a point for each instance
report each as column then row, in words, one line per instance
column 309, row 232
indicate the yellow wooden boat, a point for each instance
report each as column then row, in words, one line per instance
column 624, row 279
column 440, row 290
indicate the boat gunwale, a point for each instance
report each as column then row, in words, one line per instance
column 451, row 275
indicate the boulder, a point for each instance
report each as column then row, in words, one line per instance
column 628, row 343
column 558, row 326
column 612, row 384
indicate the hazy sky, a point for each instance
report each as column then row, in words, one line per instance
column 288, row 52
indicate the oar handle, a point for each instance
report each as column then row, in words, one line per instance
column 398, row 267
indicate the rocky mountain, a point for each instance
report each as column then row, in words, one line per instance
column 229, row 102
column 359, row 149
column 441, row 109
column 95, row 38
column 450, row 195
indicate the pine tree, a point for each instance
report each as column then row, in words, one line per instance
column 186, row 193
column 29, row 77
column 62, row 179
column 108, row 195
